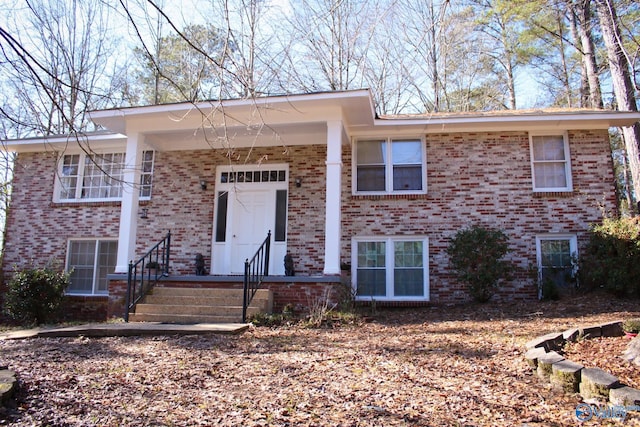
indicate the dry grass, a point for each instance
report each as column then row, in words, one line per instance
column 433, row 366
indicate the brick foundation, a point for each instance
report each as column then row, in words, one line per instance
column 300, row 294
column 303, row 295
column 86, row 309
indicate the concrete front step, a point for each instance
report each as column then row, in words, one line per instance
column 203, row 301
column 205, row 292
column 195, row 310
column 197, row 305
column 183, row 319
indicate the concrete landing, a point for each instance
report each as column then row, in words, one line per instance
column 127, row 330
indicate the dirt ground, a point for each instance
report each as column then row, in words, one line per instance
column 434, row 366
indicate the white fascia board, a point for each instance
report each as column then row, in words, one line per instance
column 88, row 141
column 515, row 122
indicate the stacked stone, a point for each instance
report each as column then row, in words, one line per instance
column 543, row 355
column 7, row 384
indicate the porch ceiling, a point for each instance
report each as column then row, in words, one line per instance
column 258, row 135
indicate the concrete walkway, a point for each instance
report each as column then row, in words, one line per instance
column 127, row 330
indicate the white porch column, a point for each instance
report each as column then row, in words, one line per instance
column 129, row 206
column 333, row 231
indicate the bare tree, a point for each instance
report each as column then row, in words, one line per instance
column 57, row 65
column 423, row 28
column 332, row 41
column 387, row 75
column 619, row 68
column 254, row 58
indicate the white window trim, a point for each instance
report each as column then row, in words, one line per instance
column 57, row 187
column 388, row 170
column 573, row 246
column 93, row 292
column 142, row 173
column 389, row 255
column 567, row 168
column 281, row 185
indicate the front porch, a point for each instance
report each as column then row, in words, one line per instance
column 277, row 166
column 299, row 292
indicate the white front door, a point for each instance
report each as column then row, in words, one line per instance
column 252, row 216
column 250, row 202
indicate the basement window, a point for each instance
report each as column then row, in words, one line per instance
column 89, row 262
column 391, row 268
column 555, row 255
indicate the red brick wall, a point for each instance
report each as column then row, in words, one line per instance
column 304, row 296
column 38, row 229
column 482, row 178
column 86, row 309
column 485, row 178
column 117, row 298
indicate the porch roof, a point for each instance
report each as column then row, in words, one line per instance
column 510, row 120
column 301, row 120
column 263, row 121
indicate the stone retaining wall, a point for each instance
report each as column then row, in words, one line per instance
column 7, row 384
column 544, row 356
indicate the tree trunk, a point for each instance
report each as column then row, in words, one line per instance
column 577, row 41
column 622, row 85
column 583, row 10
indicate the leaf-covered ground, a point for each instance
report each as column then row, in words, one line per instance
column 451, row 366
column 605, row 353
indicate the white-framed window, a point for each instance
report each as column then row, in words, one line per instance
column 90, row 260
column 555, row 254
column 550, row 162
column 146, row 173
column 391, row 268
column 99, row 176
column 390, row 165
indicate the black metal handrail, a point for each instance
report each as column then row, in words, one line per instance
column 254, row 272
column 145, row 273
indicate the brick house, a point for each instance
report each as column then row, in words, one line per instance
column 351, row 195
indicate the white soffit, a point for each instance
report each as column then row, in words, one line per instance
column 90, row 141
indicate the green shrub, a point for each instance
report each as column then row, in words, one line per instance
column 34, row 295
column 631, row 325
column 611, row 259
column 550, row 291
column 270, row 319
column 475, row 254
